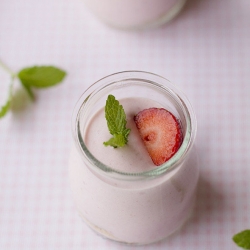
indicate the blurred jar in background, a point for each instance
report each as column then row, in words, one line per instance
column 135, row 14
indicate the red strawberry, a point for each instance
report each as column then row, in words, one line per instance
column 160, row 132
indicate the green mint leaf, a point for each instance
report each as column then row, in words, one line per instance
column 126, row 133
column 40, row 77
column 29, row 91
column 115, row 116
column 242, row 239
column 116, row 121
column 117, row 141
column 5, row 108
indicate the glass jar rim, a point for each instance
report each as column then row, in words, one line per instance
column 153, row 79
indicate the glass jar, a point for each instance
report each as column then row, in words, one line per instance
column 135, row 14
column 133, row 207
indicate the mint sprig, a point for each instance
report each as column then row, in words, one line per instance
column 242, row 239
column 32, row 77
column 116, row 121
column 40, row 77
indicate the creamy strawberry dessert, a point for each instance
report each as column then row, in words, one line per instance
column 131, row 14
column 131, row 176
column 134, row 156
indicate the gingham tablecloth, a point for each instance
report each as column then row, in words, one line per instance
column 205, row 51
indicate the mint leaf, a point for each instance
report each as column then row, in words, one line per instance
column 116, row 121
column 5, row 108
column 115, row 116
column 41, row 76
column 242, row 239
column 29, row 91
column 117, row 141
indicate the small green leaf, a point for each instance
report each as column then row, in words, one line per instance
column 5, row 108
column 126, row 133
column 116, row 121
column 115, row 116
column 117, row 141
column 242, row 239
column 29, row 91
column 41, row 76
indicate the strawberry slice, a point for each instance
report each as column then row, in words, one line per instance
column 160, row 132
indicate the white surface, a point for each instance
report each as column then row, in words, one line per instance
column 205, row 51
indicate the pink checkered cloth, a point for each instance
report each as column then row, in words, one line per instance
column 205, row 51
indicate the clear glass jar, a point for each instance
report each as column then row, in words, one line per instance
column 135, row 207
column 135, row 14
